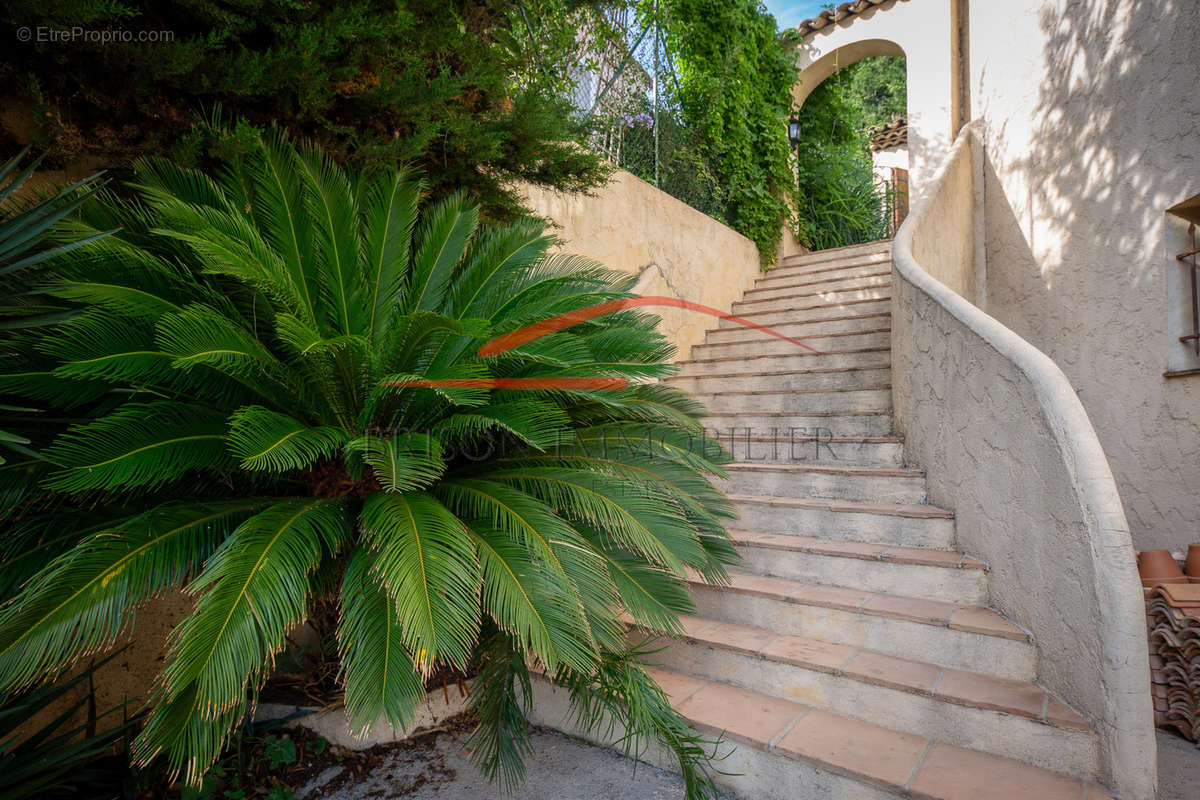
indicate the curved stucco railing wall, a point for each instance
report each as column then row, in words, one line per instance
column 1007, row 445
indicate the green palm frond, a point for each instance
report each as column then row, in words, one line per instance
column 426, row 561
column 390, row 215
column 536, row 423
column 330, row 202
column 252, row 591
column 403, row 462
column 139, row 445
column 82, row 599
column 267, row 441
column 248, row 374
column 534, row 605
column 381, row 679
column 442, row 238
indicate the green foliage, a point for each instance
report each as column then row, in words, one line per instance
column 736, row 76
column 279, row 750
column 877, row 87
column 62, row 756
column 838, row 202
column 447, row 85
column 262, row 446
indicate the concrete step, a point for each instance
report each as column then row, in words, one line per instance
column 968, row 637
column 848, row 424
column 808, row 299
column 869, row 398
column 879, row 484
column 775, row 749
column 819, row 285
column 815, row 310
column 783, row 380
column 1008, row 718
column 835, row 254
column 818, row 447
column 874, row 262
column 944, row 575
column 844, row 520
column 846, row 324
column 773, row 279
column 797, row 360
column 769, row 345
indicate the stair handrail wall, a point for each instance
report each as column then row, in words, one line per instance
column 1008, row 447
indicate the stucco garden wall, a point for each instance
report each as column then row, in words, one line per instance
column 675, row 250
column 1007, row 445
column 1091, row 122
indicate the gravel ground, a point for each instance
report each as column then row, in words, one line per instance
column 1178, row 768
column 439, row 768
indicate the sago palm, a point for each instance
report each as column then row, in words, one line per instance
column 271, row 393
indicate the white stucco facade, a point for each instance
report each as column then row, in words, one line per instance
column 921, row 32
column 1091, row 125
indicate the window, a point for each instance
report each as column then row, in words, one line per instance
column 1183, row 287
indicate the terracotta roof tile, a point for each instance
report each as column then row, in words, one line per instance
column 893, row 134
column 832, row 16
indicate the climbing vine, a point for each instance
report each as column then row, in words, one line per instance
column 735, row 80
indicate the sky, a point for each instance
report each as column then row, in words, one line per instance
column 790, row 13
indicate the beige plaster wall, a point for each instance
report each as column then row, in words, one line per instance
column 919, row 30
column 1091, row 122
column 675, row 250
column 1007, row 445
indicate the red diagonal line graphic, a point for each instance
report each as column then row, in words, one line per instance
column 517, row 383
column 502, row 344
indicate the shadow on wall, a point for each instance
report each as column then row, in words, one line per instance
column 1075, row 204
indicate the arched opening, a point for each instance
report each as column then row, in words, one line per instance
column 851, row 152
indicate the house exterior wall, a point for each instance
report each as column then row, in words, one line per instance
column 675, row 250
column 1090, row 118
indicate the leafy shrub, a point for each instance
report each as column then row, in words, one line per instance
column 837, row 201
column 446, row 84
column 242, row 414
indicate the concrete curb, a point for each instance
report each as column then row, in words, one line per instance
column 331, row 723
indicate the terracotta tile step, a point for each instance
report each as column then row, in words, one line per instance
column 869, row 551
column 900, row 762
column 968, row 618
column 826, row 283
column 792, row 266
column 960, row 687
column 769, row 345
column 813, row 313
column 821, row 287
column 884, row 247
column 753, row 310
column 734, row 332
column 847, row 471
column 702, row 396
column 861, row 483
column 805, row 299
column 787, row 446
column 911, row 510
column 762, row 358
column 824, row 270
column 866, row 269
column 775, row 373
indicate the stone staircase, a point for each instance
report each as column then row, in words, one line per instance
column 853, row 653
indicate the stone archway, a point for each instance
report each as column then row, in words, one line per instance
column 924, row 33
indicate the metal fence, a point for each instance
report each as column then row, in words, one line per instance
column 631, row 100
